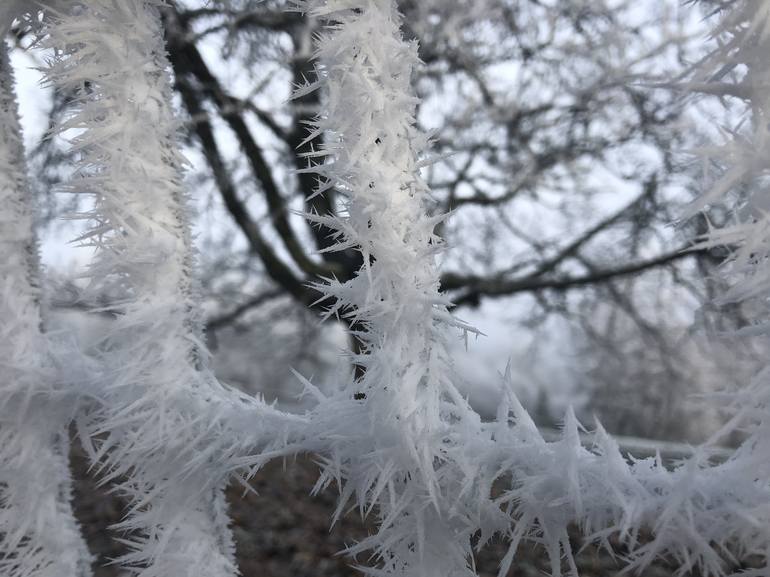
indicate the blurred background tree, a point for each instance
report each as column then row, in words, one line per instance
column 557, row 163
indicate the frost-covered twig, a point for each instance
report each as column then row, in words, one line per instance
column 39, row 536
column 702, row 515
column 385, row 435
column 167, row 432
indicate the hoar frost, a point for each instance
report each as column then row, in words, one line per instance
column 398, row 438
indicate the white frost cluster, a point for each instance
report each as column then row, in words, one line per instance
column 397, row 438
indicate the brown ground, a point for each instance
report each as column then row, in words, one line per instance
column 283, row 532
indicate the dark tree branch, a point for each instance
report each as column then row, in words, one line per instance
column 236, row 20
column 233, row 315
column 550, row 264
column 187, row 60
column 472, row 288
column 276, row 269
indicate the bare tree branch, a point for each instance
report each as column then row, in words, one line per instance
column 472, row 288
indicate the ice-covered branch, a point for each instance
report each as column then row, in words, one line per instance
column 168, row 432
column 384, row 435
column 702, row 515
column 39, row 536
